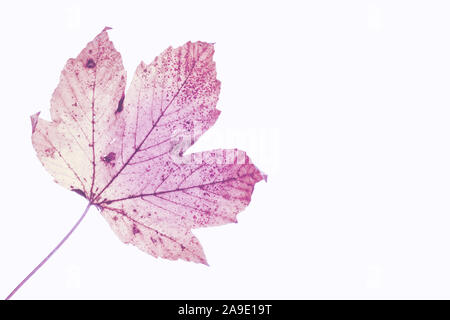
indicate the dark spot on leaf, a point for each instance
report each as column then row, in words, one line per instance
column 120, row 105
column 90, row 64
column 80, row 192
column 135, row 230
column 50, row 152
column 108, row 158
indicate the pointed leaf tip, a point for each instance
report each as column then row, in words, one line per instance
column 34, row 120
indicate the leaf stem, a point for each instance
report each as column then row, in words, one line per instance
column 50, row 254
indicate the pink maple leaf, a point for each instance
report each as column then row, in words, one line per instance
column 125, row 153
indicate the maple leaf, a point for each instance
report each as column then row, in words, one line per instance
column 125, row 153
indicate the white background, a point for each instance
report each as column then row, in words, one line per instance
column 344, row 104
